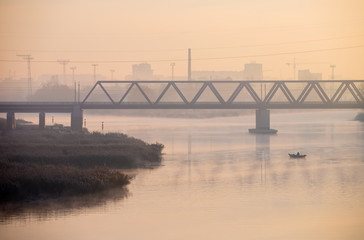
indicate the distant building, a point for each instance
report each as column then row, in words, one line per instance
column 217, row 75
column 307, row 75
column 142, row 71
column 253, row 71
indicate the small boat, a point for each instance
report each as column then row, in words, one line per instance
column 298, row 155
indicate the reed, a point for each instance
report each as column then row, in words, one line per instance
column 47, row 164
column 86, row 150
column 23, row 181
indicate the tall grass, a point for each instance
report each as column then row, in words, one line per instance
column 41, row 164
column 78, row 149
column 19, row 181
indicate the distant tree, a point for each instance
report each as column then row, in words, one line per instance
column 53, row 91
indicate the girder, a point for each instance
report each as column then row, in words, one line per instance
column 281, row 90
column 329, row 94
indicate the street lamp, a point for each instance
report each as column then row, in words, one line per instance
column 74, row 82
column 172, row 65
column 94, row 65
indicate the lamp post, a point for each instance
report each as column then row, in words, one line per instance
column 172, row 66
column 189, row 64
column 94, row 65
column 332, row 71
column 74, row 82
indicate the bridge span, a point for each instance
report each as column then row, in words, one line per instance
column 259, row 95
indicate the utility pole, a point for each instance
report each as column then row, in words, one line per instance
column 74, row 82
column 172, row 65
column 294, row 68
column 332, row 71
column 94, row 65
column 28, row 57
column 189, row 64
column 79, row 95
column 112, row 74
column 64, row 62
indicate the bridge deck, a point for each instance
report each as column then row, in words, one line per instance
column 28, row 107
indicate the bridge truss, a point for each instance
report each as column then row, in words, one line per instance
column 225, row 94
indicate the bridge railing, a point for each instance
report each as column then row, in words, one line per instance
column 260, row 93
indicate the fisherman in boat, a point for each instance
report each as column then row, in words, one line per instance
column 297, row 155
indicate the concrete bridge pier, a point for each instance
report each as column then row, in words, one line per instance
column 10, row 121
column 41, row 120
column 76, row 118
column 262, row 122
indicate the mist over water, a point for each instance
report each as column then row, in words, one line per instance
column 218, row 181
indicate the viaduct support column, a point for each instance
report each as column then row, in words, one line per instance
column 10, row 121
column 76, row 118
column 262, row 122
column 41, row 120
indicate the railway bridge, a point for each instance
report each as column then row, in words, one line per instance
column 260, row 95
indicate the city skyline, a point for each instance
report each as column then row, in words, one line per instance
column 193, row 119
column 223, row 36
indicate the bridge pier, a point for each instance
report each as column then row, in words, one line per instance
column 41, row 120
column 76, row 118
column 262, row 122
column 10, row 121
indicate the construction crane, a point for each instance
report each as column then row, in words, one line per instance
column 295, row 64
column 294, row 67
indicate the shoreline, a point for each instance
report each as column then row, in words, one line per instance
column 360, row 117
column 43, row 164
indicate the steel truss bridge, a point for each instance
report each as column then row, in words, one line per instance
column 259, row 95
column 225, row 95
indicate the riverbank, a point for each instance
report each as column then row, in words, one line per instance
column 24, row 181
column 38, row 164
column 360, row 117
column 85, row 150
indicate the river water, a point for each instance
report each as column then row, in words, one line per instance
column 220, row 182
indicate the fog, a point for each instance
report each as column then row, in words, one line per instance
column 216, row 179
column 223, row 36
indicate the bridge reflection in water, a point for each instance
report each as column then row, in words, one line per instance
column 259, row 95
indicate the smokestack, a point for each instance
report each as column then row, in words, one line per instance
column 189, row 64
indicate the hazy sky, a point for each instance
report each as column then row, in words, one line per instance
column 223, row 35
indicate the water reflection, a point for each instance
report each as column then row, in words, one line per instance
column 189, row 158
column 53, row 208
column 262, row 150
column 218, row 181
column 262, row 146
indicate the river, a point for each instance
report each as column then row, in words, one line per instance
column 218, row 181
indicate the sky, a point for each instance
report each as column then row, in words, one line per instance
column 222, row 35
